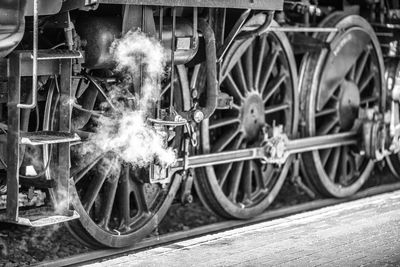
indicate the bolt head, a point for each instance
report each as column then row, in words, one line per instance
column 198, row 116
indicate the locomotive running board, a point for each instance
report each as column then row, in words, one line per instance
column 291, row 147
column 46, row 221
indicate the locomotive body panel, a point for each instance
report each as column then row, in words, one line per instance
column 243, row 4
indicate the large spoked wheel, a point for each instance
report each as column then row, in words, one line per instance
column 335, row 85
column 260, row 73
column 392, row 75
column 116, row 206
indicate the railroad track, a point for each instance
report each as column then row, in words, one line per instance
column 99, row 255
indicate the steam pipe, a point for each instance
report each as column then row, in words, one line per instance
column 202, row 113
column 260, row 30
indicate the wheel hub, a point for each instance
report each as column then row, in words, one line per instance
column 252, row 116
column 348, row 105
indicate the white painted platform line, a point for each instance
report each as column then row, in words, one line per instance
column 362, row 232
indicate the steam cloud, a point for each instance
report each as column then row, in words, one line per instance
column 141, row 62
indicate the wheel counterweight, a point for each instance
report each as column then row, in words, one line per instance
column 260, row 74
column 335, row 86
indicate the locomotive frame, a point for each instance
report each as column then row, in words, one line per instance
column 361, row 130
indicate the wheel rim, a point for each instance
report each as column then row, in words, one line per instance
column 264, row 90
column 116, row 207
column 392, row 74
column 334, row 87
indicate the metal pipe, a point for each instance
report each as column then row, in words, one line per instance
column 212, row 81
column 232, row 35
column 260, row 30
column 321, row 142
column 34, row 58
column 301, row 29
column 172, row 87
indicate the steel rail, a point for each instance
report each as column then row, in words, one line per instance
column 98, row 255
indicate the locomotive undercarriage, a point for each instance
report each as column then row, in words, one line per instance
column 231, row 106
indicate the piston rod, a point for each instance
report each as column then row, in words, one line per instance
column 301, row 29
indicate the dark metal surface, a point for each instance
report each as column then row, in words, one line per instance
column 212, row 80
column 12, row 23
column 13, row 137
column 45, row 7
column 252, row 4
column 63, row 157
column 98, row 33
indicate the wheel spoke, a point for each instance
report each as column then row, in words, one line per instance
column 366, row 81
column 370, row 99
column 111, row 189
column 235, row 181
column 332, row 165
column 239, row 72
column 361, row 65
column 273, row 87
column 225, row 140
column 327, row 126
column 248, row 169
column 351, row 76
column 276, row 108
column 167, row 87
column 236, row 107
column 260, row 62
column 102, row 92
column 94, row 188
column 344, row 161
column 233, row 88
column 249, row 68
column 140, row 197
column 223, row 172
column 83, row 169
column 223, row 122
column 324, row 112
column 258, row 175
column 269, row 68
column 328, row 94
column 225, row 169
column 267, row 173
column 124, row 199
column 324, row 155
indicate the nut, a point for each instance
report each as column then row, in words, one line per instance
column 198, row 116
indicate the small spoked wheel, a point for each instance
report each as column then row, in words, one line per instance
column 335, row 86
column 117, row 207
column 260, row 74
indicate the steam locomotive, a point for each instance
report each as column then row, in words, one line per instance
column 252, row 92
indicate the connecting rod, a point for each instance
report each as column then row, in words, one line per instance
column 268, row 152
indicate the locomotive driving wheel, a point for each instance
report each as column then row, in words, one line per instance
column 260, row 74
column 117, row 207
column 335, row 85
column 392, row 75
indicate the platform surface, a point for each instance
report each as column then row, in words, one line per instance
column 364, row 232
